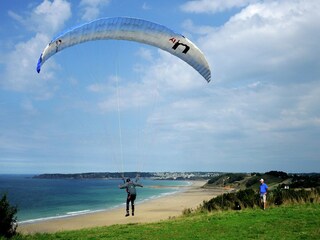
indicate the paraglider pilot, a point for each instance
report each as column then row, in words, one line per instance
column 130, row 187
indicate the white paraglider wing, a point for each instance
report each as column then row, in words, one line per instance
column 131, row 29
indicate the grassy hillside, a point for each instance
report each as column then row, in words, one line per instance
column 273, row 179
column 285, row 222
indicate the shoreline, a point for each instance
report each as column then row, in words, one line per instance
column 153, row 210
column 178, row 189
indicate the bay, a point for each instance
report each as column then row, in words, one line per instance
column 40, row 199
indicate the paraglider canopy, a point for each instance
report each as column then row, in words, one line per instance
column 132, row 29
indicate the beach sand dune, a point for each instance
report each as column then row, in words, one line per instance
column 150, row 211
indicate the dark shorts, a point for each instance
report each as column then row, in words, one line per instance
column 132, row 197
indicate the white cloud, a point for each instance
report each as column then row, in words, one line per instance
column 145, row 54
column 131, row 96
column 188, row 24
column 20, row 75
column 47, row 18
column 146, row 6
column 162, row 75
column 244, row 118
column 272, row 41
column 209, row 6
column 16, row 17
column 91, row 8
column 173, row 74
column 263, row 101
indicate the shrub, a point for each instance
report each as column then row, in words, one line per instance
column 187, row 211
column 281, row 196
column 241, row 199
column 8, row 220
column 278, row 174
column 305, row 181
column 249, row 199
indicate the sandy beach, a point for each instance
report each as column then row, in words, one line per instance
column 150, row 211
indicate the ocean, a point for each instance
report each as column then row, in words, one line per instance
column 41, row 199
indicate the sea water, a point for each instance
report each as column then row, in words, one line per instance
column 40, row 199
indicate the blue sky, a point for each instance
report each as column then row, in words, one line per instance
column 125, row 106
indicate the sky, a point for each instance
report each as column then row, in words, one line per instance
column 125, row 106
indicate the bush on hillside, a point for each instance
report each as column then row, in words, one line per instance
column 227, row 178
column 278, row 174
column 241, row 199
column 286, row 196
column 252, row 181
column 8, row 220
column 255, row 174
column 305, row 181
column 249, row 199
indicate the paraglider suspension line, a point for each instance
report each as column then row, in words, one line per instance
column 119, row 121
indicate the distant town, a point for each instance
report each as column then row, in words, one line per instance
column 117, row 175
column 236, row 181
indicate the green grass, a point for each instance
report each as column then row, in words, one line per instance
column 285, row 222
